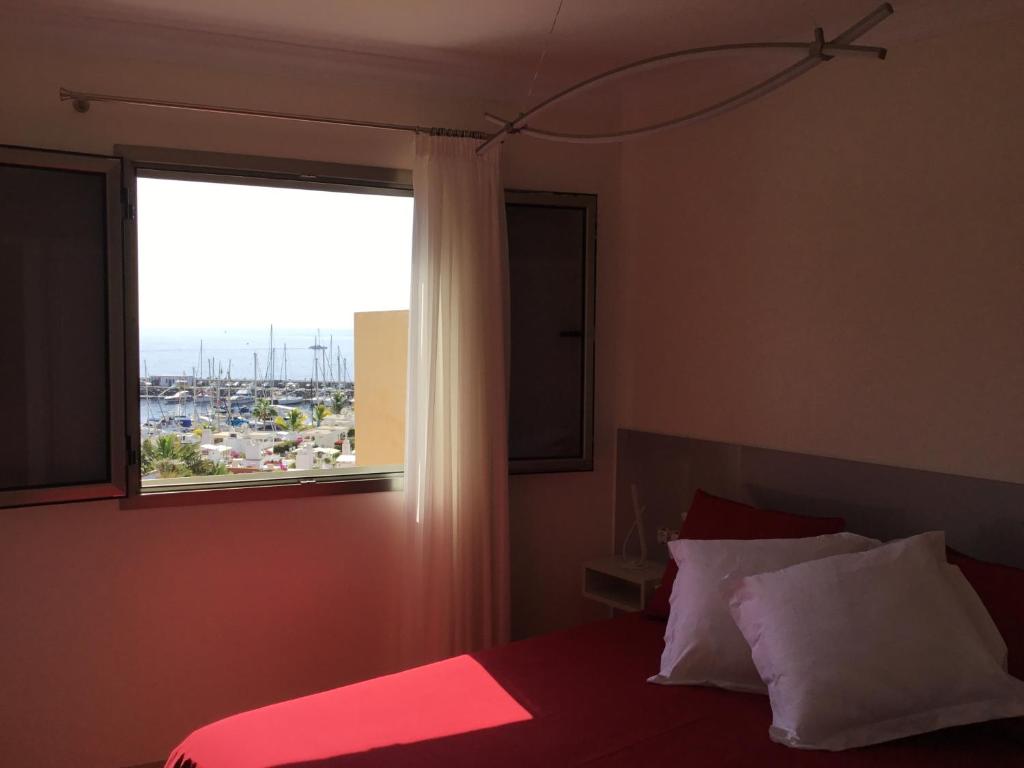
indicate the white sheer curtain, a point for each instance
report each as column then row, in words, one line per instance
column 457, row 421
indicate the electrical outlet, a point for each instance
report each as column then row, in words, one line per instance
column 666, row 535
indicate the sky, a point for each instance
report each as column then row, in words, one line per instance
column 233, row 256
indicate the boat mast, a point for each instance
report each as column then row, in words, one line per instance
column 219, row 401
column 315, row 379
column 195, row 385
column 145, row 378
column 211, row 393
column 318, row 362
column 330, row 357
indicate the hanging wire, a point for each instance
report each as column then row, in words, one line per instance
column 544, row 52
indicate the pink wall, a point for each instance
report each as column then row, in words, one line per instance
column 125, row 629
column 837, row 269
column 560, row 520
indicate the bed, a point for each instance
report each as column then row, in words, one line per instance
column 572, row 698
column 580, row 697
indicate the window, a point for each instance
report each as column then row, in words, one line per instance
column 272, row 324
column 62, row 369
column 551, row 243
column 182, row 322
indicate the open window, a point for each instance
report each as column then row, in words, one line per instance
column 272, row 313
column 552, row 243
column 181, row 322
column 63, row 352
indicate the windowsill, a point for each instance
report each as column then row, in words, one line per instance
column 259, row 489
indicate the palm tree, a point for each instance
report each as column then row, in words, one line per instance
column 188, row 454
column 319, row 413
column 166, row 447
column 148, row 456
column 338, row 401
column 171, row 458
column 168, row 458
column 263, row 410
column 293, row 421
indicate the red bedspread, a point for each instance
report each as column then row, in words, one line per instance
column 574, row 698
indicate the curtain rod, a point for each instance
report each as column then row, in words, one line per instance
column 818, row 51
column 81, row 101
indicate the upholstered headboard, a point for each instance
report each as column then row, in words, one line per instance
column 983, row 518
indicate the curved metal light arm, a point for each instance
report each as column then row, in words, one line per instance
column 818, row 52
column 775, row 81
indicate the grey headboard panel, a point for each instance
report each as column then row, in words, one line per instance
column 984, row 518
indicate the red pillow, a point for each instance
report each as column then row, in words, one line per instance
column 1000, row 588
column 713, row 518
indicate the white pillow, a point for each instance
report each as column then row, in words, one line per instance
column 702, row 644
column 863, row 648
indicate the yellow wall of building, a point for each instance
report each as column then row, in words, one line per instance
column 381, row 352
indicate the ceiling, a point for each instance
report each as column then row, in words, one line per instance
column 508, row 37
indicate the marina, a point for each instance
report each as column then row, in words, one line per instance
column 216, row 424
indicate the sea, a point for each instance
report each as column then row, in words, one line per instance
column 229, row 353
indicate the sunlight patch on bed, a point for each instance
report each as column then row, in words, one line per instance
column 452, row 697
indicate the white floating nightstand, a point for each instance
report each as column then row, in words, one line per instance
column 622, row 584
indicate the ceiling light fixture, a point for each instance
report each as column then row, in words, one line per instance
column 817, row 51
